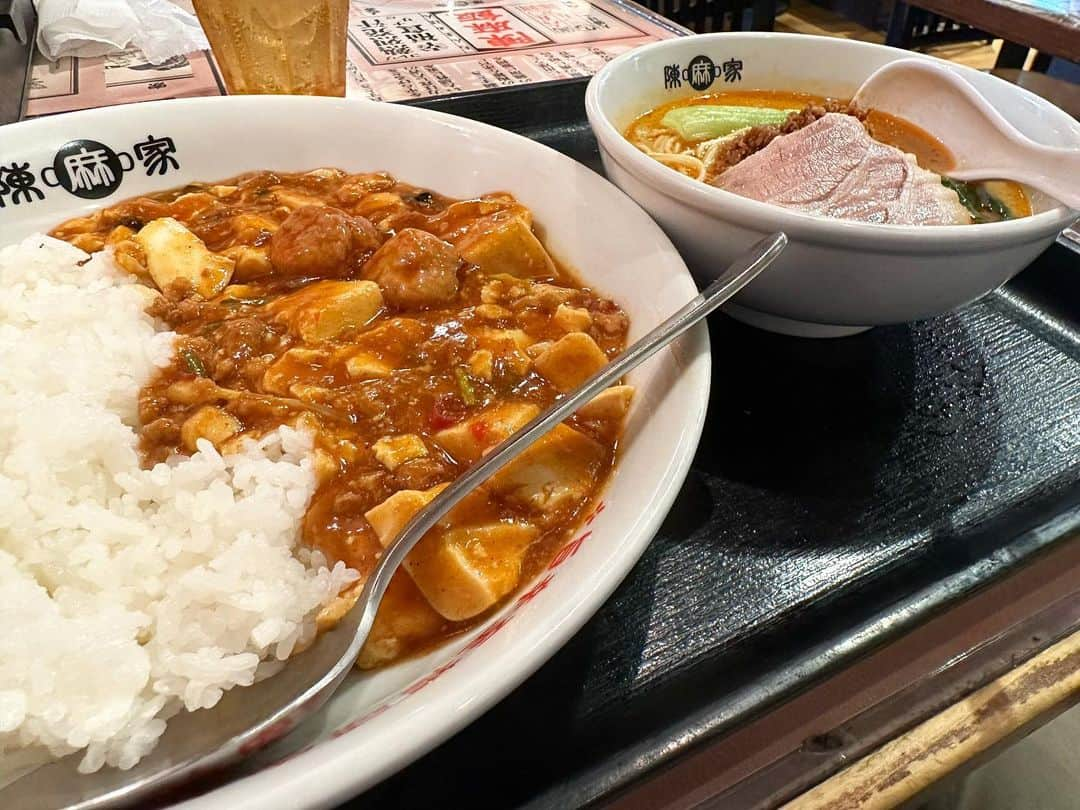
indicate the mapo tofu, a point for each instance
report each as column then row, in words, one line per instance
column 409, row 333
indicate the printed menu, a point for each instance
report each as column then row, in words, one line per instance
column 397, row 50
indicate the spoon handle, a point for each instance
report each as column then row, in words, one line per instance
column 1050, row 169
column 737, row 276
column 949, row 107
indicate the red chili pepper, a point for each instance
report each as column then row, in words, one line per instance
column 479, row 430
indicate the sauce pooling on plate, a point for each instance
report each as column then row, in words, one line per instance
column 800, row 151
column 409, row 333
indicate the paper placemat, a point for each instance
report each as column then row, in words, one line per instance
column 398, row 50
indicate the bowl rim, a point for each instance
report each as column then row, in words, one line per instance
column 764, row 216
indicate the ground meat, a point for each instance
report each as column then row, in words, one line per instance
column 254, row 410
column 358, row 186
column 244, row 337
column 152, row 405
column 450, row 348
column 241, row 344
column 421, row 473
column 548, row 297
column 757, row 138
column 608, row 319
column 179, row 306
column 355, row 496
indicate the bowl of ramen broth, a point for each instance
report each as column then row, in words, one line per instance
column 838, row 276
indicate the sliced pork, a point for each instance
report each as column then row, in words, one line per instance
column 834, row 168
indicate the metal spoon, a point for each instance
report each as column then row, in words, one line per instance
column 984, row 144
column 247, row 719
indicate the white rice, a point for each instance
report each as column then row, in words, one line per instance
column 126, row 594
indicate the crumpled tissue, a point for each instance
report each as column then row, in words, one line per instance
column 159, row 28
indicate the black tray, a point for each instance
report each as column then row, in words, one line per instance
column 844, row 491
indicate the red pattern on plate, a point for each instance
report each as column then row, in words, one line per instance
column 600, row 507
column 535, row 590
column 568, row 551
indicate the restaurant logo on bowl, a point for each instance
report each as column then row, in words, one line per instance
column 85, row 168
column 700, row 72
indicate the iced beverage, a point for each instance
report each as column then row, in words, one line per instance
column 278, row 46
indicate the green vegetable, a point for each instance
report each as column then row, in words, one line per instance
column 703, row 122
column 468, row 392
column 968, row 198
column 976, row 198
column 194, row 364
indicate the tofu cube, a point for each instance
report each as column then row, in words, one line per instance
column 493, row 312
column 607, row 410
column 174, row 253
column 393, row 451
column 557, row 472
column 480, row 364
column 250, row 228
column 471, row 438
column 468, row 569
column 509, row 345
column 294, row 199
column 335, row 610
column 210, row 423
column 461, row 570
column 327, row 310
column 325, row 466
column 572, row 319
column 295, row 363
column 570, row 361
column 390, row 516
column 404, row 620
column 505, row 245
column 366, row 366
column 538, row 349
column 249, row 262
column 502, row 340
column 119, row 234
column 504, row 289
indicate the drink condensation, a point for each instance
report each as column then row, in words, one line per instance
column 278, row 46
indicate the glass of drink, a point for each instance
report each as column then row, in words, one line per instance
column 278, row 46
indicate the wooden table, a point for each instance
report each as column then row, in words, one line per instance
column 1049, row 26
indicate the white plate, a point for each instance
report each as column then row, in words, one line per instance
column 379, row 722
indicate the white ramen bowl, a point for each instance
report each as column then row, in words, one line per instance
column 836, row 277
column 380, row 721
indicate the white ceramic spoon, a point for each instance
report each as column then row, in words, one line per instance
column 984, row 144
